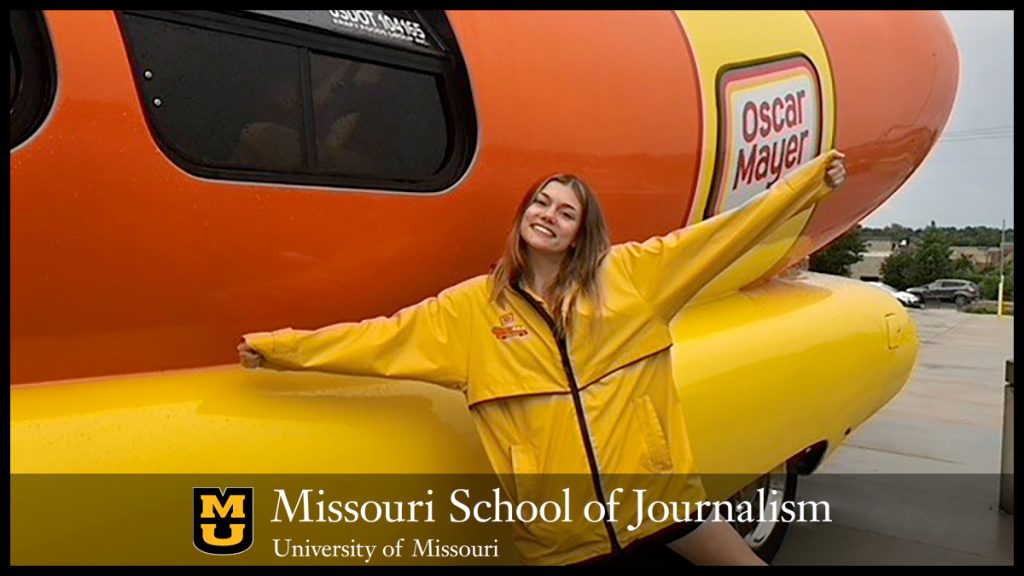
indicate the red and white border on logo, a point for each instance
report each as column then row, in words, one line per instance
column 769, row 122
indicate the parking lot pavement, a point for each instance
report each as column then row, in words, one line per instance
column 918, row 483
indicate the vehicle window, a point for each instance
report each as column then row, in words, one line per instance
column 357, row 132
column 289, row 99
column 216, row 104
column 14, row 76
column 33, row 74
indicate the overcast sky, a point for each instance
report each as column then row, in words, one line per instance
column 967, row 180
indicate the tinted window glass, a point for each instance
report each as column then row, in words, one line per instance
column 255, row 97
column 376, row 121
column 224, row 100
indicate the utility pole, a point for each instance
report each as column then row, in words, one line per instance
column 1002, row 239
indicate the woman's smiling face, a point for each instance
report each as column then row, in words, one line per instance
column 552, row 219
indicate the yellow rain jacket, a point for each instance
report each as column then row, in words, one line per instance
column 599, row 406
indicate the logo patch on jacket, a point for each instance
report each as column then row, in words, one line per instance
column 509, row 329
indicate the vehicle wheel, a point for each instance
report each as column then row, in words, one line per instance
column 960, row 301
column 765, row 537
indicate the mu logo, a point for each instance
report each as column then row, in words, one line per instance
column 222, row 521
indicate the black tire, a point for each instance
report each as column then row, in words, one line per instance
column 960, row 300
column 765, row 538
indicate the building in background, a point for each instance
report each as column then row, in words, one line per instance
column 983, row 256
column 870, row 266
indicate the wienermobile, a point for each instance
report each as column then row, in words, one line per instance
column 179, row 179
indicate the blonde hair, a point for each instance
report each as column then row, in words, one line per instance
column 578, row 271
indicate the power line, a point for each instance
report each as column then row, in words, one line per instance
column 975, row 134
column 1007, row 127
column 976, row 138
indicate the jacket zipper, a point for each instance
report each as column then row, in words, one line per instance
column 581, row 417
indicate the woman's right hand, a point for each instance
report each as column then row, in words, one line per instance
column 249, row 357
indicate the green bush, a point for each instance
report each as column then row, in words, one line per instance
column 988, row 307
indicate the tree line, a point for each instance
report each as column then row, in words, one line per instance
column 966, row 236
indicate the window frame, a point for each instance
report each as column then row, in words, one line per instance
column 36, row 82
column 15, row 74
column 448, row 70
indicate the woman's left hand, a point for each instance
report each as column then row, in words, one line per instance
column 249, row 357
column 835, row 175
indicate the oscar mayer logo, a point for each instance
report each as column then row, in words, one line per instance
column 222, row 521
column 509, row 329
column 769, row 122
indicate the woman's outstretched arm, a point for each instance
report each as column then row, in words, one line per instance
column 426, row 342
column 669, row 270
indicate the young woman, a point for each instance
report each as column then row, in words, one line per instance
column 562, row 352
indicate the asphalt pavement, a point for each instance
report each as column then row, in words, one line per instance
column 919, row 483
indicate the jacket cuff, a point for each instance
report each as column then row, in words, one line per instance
column 272, row 345
column 811, row 177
